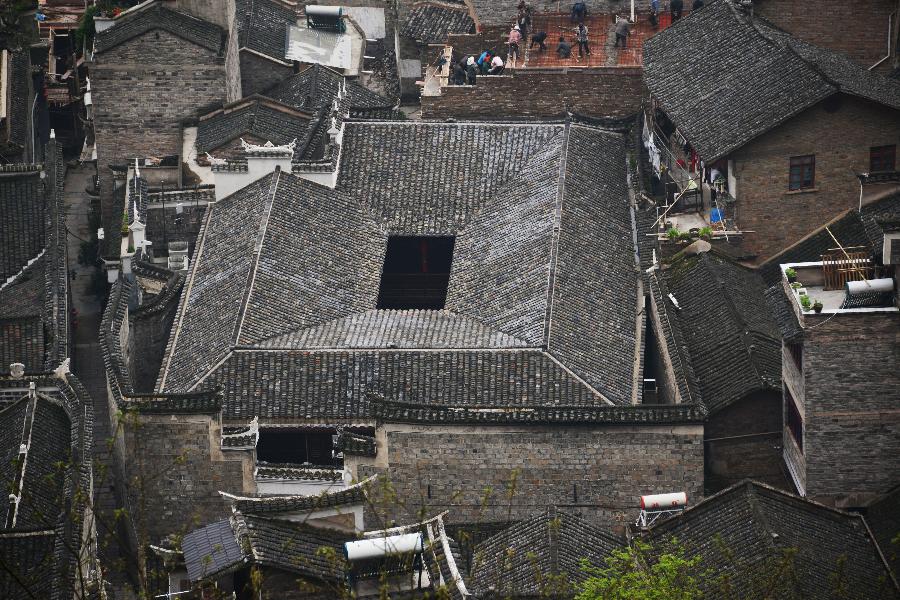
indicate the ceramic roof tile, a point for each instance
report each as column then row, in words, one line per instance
column 430, row 179
column 743, row 532
column 539, row 555
column 725, row 78
column 206, row 323
column 733, row 342
column 318, row 86
column 294, row 547
column 23, row 214
column 265, row 120
column 263, row 26
column 592, row 326
column 157, row 16
column 430, row 23
column 289, row 297
column 301, row 282
column 397, row 329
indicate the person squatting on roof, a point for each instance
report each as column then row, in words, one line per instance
column 496, row 66
column 622, row 31
column 484, row 61
column 564, row 48
column 579, row 12
column 471, row 70
column 539, row 38
column 581, row 36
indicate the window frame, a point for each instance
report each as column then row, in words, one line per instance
column 878, row 157
column 793, row 420
column 801, row 163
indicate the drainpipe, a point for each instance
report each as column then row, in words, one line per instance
column 890, row 35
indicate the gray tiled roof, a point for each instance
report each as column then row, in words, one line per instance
column 280, row 311
column 157, row 16
column 540, row 555
column 57, row 425
column 430, row 23
column 23, row 214
column 733, row 342
column 725, row 78
column 258, row 117
column 263, row 25
column 317, row 86
column 266, row 505
column 294, row 547
column 743, row 533
column 211, row 550
column 783, row 313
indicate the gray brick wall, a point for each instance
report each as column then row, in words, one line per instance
column 599, row 92
column 851, row 371
column 840, row 141
column 601, row 471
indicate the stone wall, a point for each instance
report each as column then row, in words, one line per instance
column 863, row 35
column 175, row 470
column 851, row 371
column 142, row 90
column 539, row 93
column 743, row 441
column 599, row 470
column 839, row 133
column 258, row 73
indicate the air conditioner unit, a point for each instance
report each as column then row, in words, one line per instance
column 891, row 250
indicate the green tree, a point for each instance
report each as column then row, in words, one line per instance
column 631, row 574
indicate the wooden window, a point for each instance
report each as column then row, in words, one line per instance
column 794, row 420
column 882, row 158
column 803, row 172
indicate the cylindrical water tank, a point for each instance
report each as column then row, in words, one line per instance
column 385, row 546
column 663, row 501
column 883, row 286
column 324, row 11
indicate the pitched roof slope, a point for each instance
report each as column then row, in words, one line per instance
column 725, row 78
column 591, row 325
column 744, row 532
column 281, row 312
column 212, row 300
column 429, row 179
column 338, row 275
column 262, row 26
column 259, row 117
column 318, row 86
column 508, row 243
column 156, row 15
column 733, row 342
column 430, row 22
column 521, row 560
column 23, row 214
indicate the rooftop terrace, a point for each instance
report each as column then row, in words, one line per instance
column 827, row 282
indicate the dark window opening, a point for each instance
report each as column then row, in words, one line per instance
column 416, row 273
column 803, row 172
column 652, row 360
column 794, row 420
column 882, row 158
column 290, row 446
column 796, row 351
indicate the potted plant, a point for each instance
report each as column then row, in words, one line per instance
column 685, row 237
column 817, row 306
column 806, row 303
column 791, row 274
column 673, row 234
column 706, row 232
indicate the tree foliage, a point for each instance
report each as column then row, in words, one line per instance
column 630, row 574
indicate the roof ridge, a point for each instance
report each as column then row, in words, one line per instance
column 557, row 226
column 257, row 250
